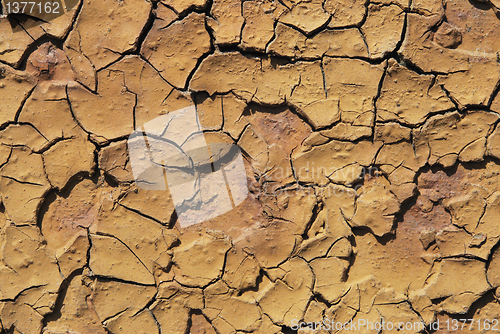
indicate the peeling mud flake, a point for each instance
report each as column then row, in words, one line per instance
column 114, row 160
column 376, row 207
column 292, row 43
column 471, row 278
column 258, row 29
column 111, row 258
column 383, row 29
column 172, row 50
column 345, row 13
column 25, row 255
column 230, row 13
column 188, row 268
column 77, row 313
column 67, row 159
column 354, row 82
column 23, row 185
column 99, row 33
column 408, row 97
column 15, row 87
column 443, row 138
column 305, row 16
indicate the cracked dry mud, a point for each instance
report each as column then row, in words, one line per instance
column 371, row 141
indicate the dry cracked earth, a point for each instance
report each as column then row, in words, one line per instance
column 371, row 139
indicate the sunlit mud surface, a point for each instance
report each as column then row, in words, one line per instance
column 371, row 148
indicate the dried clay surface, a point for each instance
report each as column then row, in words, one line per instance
column 370, row 137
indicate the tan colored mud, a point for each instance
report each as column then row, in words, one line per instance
column 369, row 132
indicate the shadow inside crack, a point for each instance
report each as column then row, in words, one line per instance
column 483, row 5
